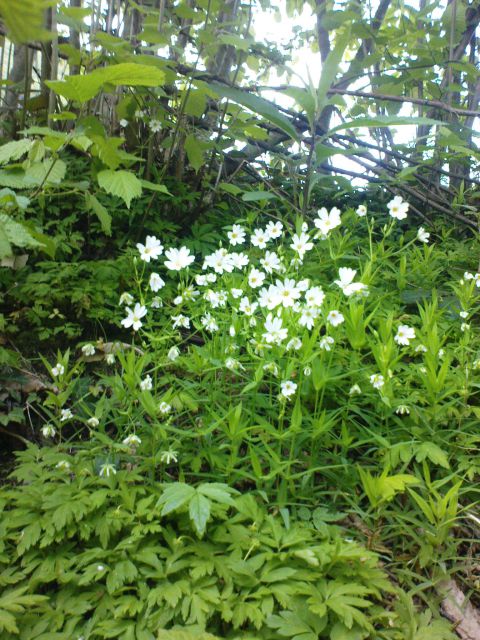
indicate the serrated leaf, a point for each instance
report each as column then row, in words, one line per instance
column 14, row 150
column 199, row 511
column 99, row 210
column 123, row 184
column 255, row 196
column 24, row 19
column 175, row 496
column 14, row 233
column 218, row 492
column 47, row 172
column 185, row 634
column 194, row 152
column 161, row 188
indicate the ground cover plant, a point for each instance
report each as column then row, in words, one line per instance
column 329, row 369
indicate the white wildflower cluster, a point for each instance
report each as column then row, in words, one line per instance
column 252, row 286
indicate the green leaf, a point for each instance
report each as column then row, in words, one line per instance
column 199, row 511
column 82, row 88
column 194, row 151
column 99, row 210
column 123, row 184
column 183, row 633
column 14, row 233
column 47, row 172
column 175, row 496
column 383, row 121
column 24, row 19
column 218, row 492
column 330, row 68
column 255, row 196
column 14, row 150
column 161, row 188
column 433, row 452
column 258, row 105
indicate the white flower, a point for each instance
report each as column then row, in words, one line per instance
column 233, row 365
column 63, row 465
column 48, row 431
column 256, row 278
column 274, row 229
column 236, row 235
column 287, row 292
column 441, row 353
column 58, row 370
column 288, row 388
column 464, row 326
column 93, row 422
column 335, row 318
column 156, row 282
column 169, row 456
column 155, row 126
column 422, row 235
column 134, row 318
column 132, row 441
column 377, row 380
column 181, row 321
column 247, row 307
column 151, row 250
column 421, row 348
column 88, row 350
column 236, row 293
column 269, row 298
column 476, row 277
column 274, row 332
column 107, row 469
column 126, row 298
column 231, row 331
column 468, row 276
column 271, row 367
column 361, row 210
column 173, row 353
column 402, row 410
column 326, row 222
column 404, row 334
column 164, row 408
column 326, row 343
column 294, row 344
column 146, row 384
column 354, row 389
column 307, row 371
column 219, row 261
column 65, row 414
column 100, row 567
column 259, row 238
column 178, row 258
column 211, row 277
column 463, row 314
column 314, row 297
column 346, row 276
column 139, row 113
column 271, row 262
column 308, row 317
column 301, row 244
column 123, row 123
column 239, row 260
column 209, row 323
column 397, row 208
column 110, row 358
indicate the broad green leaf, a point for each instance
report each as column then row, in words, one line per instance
column 255, row 196
column 199, row 511
column 258, row 105
column 175, row 496
column 123, row 184
column 99, row 210
column 195, row 155
column 433, row 452
column 330, row 68
column 47, row 172
column 217, row 491
column 24, row 19
column 185, row 634
column 14, row 150
column 161, row 188
column 82, row 88
column 14, row 233
column 195, row 103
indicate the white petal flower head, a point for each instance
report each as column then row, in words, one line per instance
column 151, row 250
column 88, row 350
column 155, row 126
column 146, row 384
column 93, row 422
column 238, row 260
column 167, row 457
column 181, row 321
column 134, row 317
column 132, row 441
column 423, row 235
column 106, row 470
column 326, row 222
column 326, row 343
column 269, row 298
column 274, row 331
column 236, row 235
column 274, row 229
column 308, row 317
column 335, row 318
column 271, row 262
column 463, row 314
column 65, row 414
column 345, row 276
column 294, row 344
column 178, row 258
column 404, row 335
column 156, row 282
column 397, row 208
column 468, row 276
column 236, row 293
column 164, row 408
column 314, row 297
column 256, row 278
column 126, row 298
column 361, row 211
column 464, row 326
column 377, row 380
column 259, row 238
column 301, row 244
column 287, row 292
column 288, row 388
column 402, row 410
column 48, row 431
column 220, row 261
column 173, row 353
column 123, row 123
column 63, row 465
column 354, row 390
column 247, row 307
column 209, row 323
column 58, row 370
